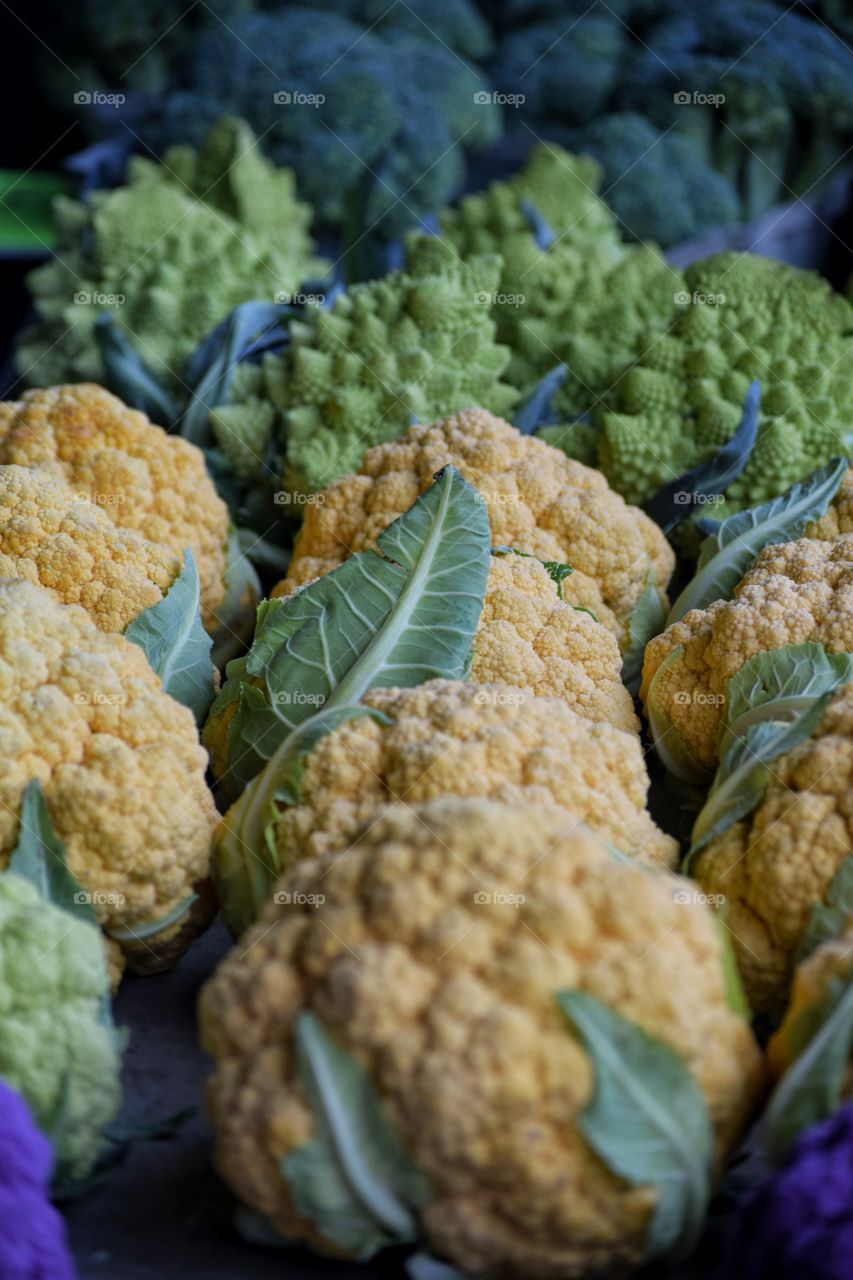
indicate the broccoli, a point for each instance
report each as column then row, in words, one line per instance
column 384, row 107
column 456, row 23
column 740, row 318
column 787, row 113
column 655, row 183
column 168, row 255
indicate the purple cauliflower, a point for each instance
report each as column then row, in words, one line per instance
column 32, row 1233
column 799, row 1223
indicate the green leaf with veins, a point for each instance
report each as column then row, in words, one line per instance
column 821, row 1041
column 394, row 617
column 828, row 919
column 727, row 554
column 353, row 1180
column 646, row 620
column 647, row 1120
column 773, row 703
column 39, row 856
column 175, row 643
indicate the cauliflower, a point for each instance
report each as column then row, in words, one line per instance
column 830, row 964
column 774, row 865
column 57, row 539
column 528, row 636
column 434, row 951
column 56, row 1047
column 447, row 738
column 794, row 592
column 145, row 480
column 539, row 501
column 121, row 767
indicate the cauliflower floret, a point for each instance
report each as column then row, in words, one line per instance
column 144, row 479
column 539, row 501
column 57, row 539
column 772, row 866
column 448, row 738
column 119, row 761
column 445, row 993
column 794, row 592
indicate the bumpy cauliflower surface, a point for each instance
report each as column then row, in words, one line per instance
column 539, row 501
column 445, row 993
column 772, row 866
column 119, row 762
column 144, row 479
column 55, row 1048
column 57, row 539
column 528, row 636
column 794, row 592
column 449, row 738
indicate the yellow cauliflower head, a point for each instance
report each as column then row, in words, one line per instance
column 57, row 539
column 119, row 762
column 772, row 866
column 539, row 501
column 433, row 952
column 794, row 592
column 449, row 738
column 831, row 961
column 143, row 478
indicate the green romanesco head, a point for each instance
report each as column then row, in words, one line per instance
column 167, row 255
column 57, row 1046
column 740, row 317
column 587, row 299
column 417, row 345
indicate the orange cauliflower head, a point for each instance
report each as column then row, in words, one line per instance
column 794, row 592
column 772, row 866
column 57, row 539
column 120, row 765
column 433, row 952
column 449, row 738
column 539, row 501
column 143, row 478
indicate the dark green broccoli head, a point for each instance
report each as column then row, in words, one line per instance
column 567, row 71
column 341, row 104
column 456, row 23
column 654, row 182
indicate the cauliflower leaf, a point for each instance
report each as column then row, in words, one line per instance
column 39, row 857
column 647, row 1119
column 727, row 553
column 811, row 1088
column 827, row 919
column 354, row 1180
column 177, row 647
